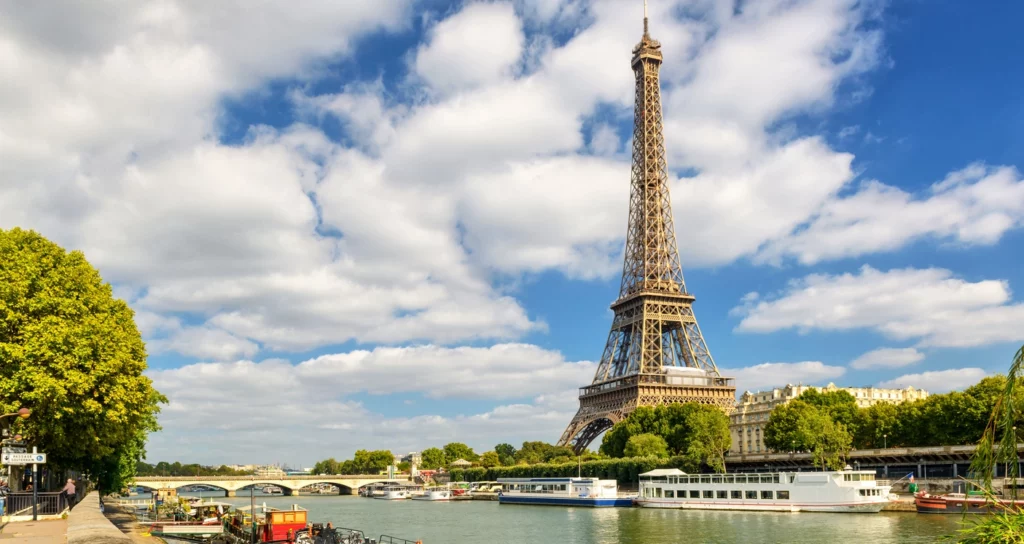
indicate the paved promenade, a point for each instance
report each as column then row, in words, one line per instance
column 35, row 532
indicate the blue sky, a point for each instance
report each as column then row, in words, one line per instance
column 396, row 224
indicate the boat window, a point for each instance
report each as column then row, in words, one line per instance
column 766, row 478
column 721, row 494
column 694, row 494
column 741, row 478
column 708, row 494
column 716, row 479
column 729, row 478
column 657, row 492
column 705, row 479
column 752, row 495
column 782, row 495
column 669, row 494
column 768, row 495
column 736, row 494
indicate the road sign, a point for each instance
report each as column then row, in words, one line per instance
column 9, row 458
column 14, row 449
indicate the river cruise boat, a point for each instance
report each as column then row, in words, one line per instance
column 960, row 503
column 842, row 491
column 590, row 492
column 393, row 493
column 434, row 494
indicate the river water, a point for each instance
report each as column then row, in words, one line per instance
column 488, row 522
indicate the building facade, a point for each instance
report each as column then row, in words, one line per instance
column 747, row 421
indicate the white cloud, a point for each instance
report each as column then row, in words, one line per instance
column 479, row 45
column 930, row 305
column 768, row 375
column 973, row 206
column 887, row 358
column 938, row 381
column 308, row 402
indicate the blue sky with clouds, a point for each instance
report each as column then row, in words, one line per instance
column 399, row 223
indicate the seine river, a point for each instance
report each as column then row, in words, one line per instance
column 476, row 522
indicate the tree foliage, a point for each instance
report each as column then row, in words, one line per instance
column 176, row 468
column 72, row 353
column 698, row 432
column 646, row 445
column 507, row 454
column 432, row 458
column 801, row 426
column 490, row 459
column 541, row 452
column 453, row 451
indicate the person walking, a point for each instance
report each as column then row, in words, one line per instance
column 69, row 490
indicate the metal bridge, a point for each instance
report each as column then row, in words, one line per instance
column 347, row 483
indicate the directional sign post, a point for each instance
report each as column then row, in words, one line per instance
column 12, row 458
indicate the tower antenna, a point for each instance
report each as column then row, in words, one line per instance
column 645, row 17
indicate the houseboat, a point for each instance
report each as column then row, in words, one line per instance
column 273, row 525
column 434, row 494
column 842, row 491
column 590, row 492
column 205, row 521
column 964, row 503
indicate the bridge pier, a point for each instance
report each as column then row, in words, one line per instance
column 230, row 493
column 290, row 492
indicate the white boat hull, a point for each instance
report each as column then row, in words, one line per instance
column 857, row 507
column 393, row 496
column 433, row 496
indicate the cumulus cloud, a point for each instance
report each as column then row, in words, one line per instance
column 938, row 381
column 930, row 305
column 768, row 375
column 887, row 358
column 305, row 405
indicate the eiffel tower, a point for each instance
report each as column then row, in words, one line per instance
column 655, row 352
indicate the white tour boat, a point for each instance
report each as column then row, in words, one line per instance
column 561, row 492
column 393, row 493
column 843, row 491
column 434, row 494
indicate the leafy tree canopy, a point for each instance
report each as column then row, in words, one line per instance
column 490, row 459
column 454, row 451
column 646, row 445
column 696, row 431
column 433, row 458
column 72, row 353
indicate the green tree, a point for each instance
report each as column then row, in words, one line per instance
column 490, row 459
column 783, row 431
column 507, row 454
column 709, row 438
column 877, row 426
column 646, row 445
column 72, row 353
column 327, row 466
column 433, row 458
column 840, row 405
column 372, row 462
column 828, row 441
column 533, row 452
column 454, row 451
column 404, row 466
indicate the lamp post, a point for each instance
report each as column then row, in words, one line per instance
column 885, row 441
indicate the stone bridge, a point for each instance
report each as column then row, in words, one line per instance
column 346, row 483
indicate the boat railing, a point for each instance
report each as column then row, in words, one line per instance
column 883, row 483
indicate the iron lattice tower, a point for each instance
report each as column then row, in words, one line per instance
column 655, row 352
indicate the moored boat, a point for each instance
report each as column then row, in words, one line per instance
column 393, row 493
column 434, row 494
column 589, row 492
column 841, row 491
column 960, row 503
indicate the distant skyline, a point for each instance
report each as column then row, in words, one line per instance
column 397, row 224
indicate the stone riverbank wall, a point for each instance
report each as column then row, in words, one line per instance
column 88, row 525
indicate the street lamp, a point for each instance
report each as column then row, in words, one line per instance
column 23, row 413
column 885, row 441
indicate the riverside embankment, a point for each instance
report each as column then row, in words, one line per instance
column 88, row 525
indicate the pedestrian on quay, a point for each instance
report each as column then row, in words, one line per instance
column 69, row 490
